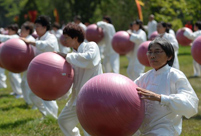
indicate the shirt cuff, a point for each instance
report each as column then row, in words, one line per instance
column 68, row 57
column 165, row 100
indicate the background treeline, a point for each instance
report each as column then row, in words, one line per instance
column 178, row 12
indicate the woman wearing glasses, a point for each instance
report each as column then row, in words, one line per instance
column 166, row 91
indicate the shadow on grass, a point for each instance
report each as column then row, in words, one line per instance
column 184, row 54
column 197, row 117
column 193, row 77
column 15, row 124
column 21, row 106
column 5, row 95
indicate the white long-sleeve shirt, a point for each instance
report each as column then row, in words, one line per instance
column 170, row 38
column 177, row 99
column 86, row 63
column 47, row 43
column 151, row 27
column 109, row 32
column 4, row 38
column 192, row 35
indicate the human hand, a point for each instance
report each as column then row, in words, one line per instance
column 25, row 40
column 146, row 94
column 61, row 54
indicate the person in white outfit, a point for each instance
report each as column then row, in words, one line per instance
column 151, row 25
column 77, row 20
column 193, row 36
column 169, row 26
column 58, row 32
column 46, row 42
column 138, row 36
column 163, row 32
column 26, row 32
column 14, row 78
column 111, row 58
column 86, row 62
column 166, row 91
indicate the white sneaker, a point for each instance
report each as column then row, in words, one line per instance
column 12, row 93
column 19, row 96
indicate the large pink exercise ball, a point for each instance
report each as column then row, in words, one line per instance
column 1, row 44
column 142, row 53
column 196, row 50
column 153, row 35
column 121, row 43
column 109, row 105
column 49, row 76
column 183, row 40
column 15, row 55
column 94, row 33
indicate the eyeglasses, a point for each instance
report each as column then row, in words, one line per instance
column 154, row 52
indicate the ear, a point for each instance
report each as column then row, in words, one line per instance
column 169, row 58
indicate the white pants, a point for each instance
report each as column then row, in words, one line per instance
column 15, row 82
column 111, row 63
column 134, row 69
column 2, row 78
column 68, row 120
column 26, row 89
column 45, row 107
column 196, row 68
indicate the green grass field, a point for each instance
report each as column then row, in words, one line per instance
column 18, row 119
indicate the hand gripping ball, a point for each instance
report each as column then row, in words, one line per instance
column 94, row 33
column 15, row 55
column 49, row 76
column 121, row 43
column 109, row 105
column 196, row 50
column 183, row 40
column 142, row 53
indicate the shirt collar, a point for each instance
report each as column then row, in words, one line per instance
column 44, row 36
column 162, row 70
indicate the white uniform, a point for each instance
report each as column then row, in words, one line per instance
column 111, row 58
column 172, row 32
column 86, row 63
column 151, row 27
column 193, row 36
column 178, row 99
column 58, row 34
column 14, row 78
column 170, row 38
column 24, row 84
column 135, row 68
column 47, row 43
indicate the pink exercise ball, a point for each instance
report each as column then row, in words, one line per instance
column 49, row 76
column 94, row 33
column 183, row 40
column 35, row 35
column 196, row 50
column 1, row 44
column 15, row 55
column 121, row 43
column 109, row 105
column 142, row 53
column 153, row 35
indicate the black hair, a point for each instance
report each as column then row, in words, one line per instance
column 169, row 25
column 44, row 21
column 78, row 17
column 140, row 23
column 74, row 30
column 13, row 27
column 28, row 26
column 198, row 24
column 56, row 25
column 164, row 24
column 166, row 46
column 108, row 19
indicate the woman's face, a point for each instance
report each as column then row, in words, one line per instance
column 24, row 33
column 40, row 30
column 157, row 56
column 136, row 27
column 70, row 42
column 160, row 28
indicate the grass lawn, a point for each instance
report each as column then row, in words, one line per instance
column 18, row 119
